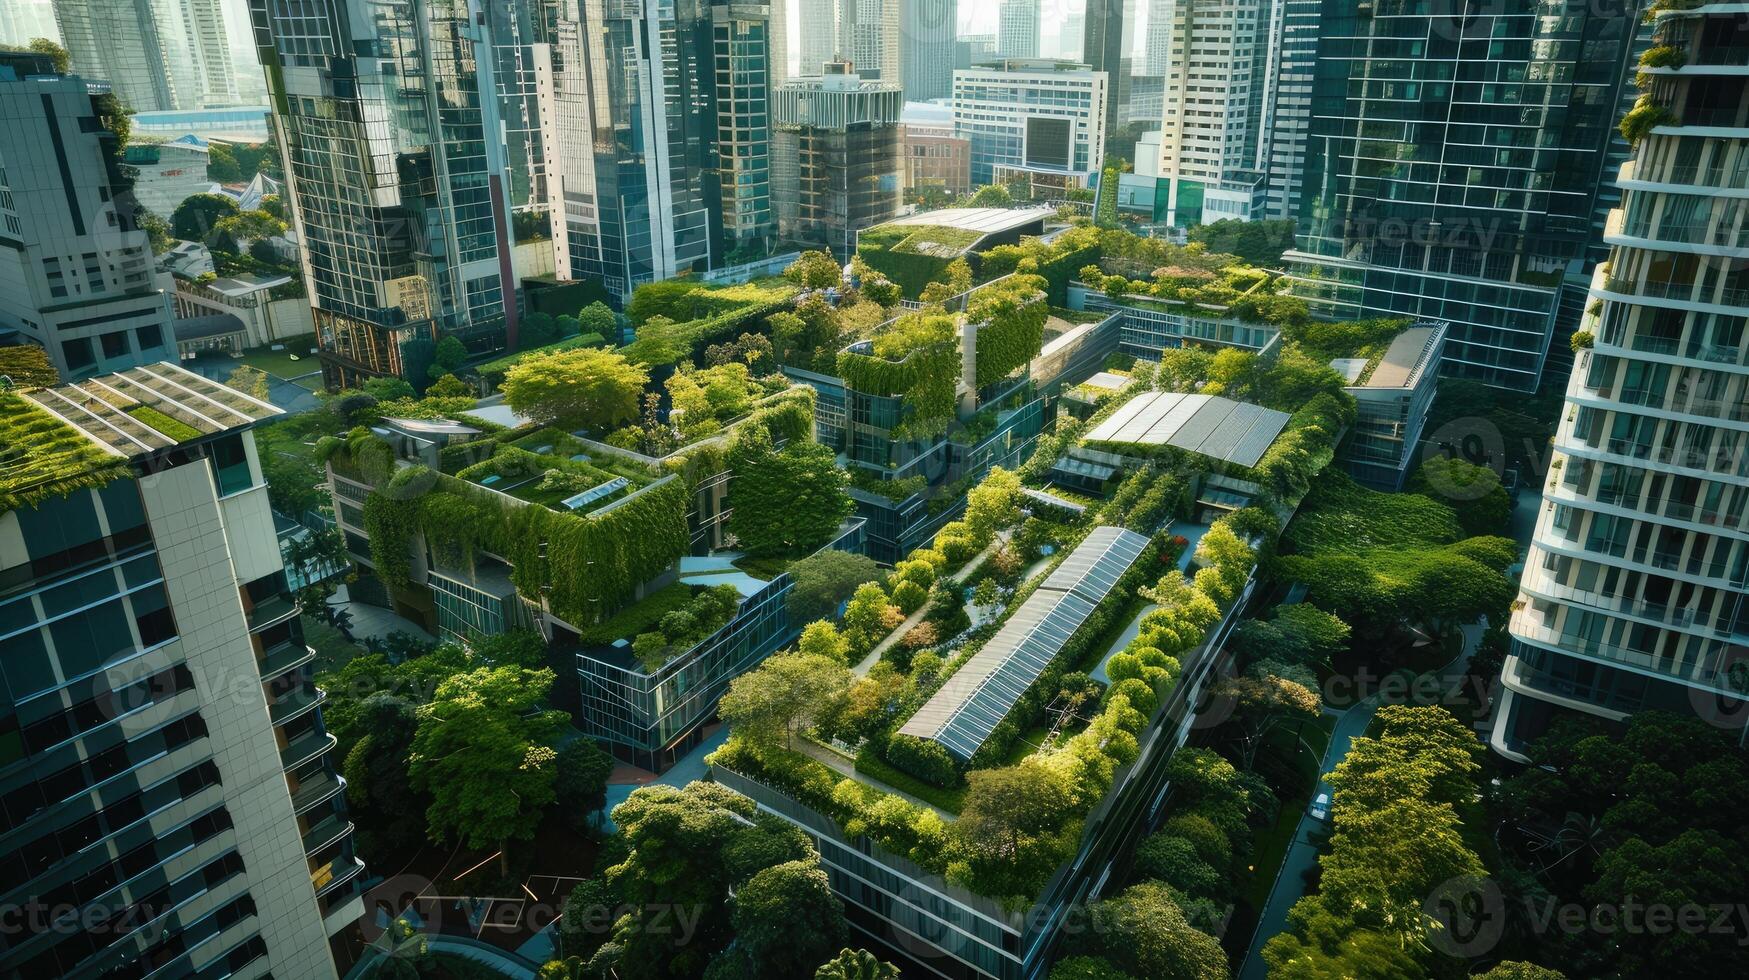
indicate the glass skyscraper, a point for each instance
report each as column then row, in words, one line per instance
column 1453, row 168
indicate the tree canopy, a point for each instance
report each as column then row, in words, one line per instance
column 584, row 388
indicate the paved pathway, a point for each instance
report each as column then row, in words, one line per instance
column 958, row 578
column 1302, row 855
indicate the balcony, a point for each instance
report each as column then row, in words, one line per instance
column 306, row 748
column 294, row 703
column 316, row 791
column 325, row 833
column 271, row 611
column 284, row 657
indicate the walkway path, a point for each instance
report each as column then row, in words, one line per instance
column 1302, row 855
column 958, row 578
column 845, row 767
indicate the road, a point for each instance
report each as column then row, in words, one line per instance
column 1302, row 855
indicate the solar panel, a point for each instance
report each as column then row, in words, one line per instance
column 969, row 706
column 593, row 494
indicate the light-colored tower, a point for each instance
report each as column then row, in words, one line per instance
column 21, row 21
column 1029, row 117
column 1207, row 124
column 927, row 29
column 1017, row 29
column 869, row 37
column 1633, row 594
column 835, row 157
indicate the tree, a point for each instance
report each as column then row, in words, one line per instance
column 1260, row 705
column 42, row 45
column 585, row 388
column 448, row 386
column 481, row 752
column 956, row 281
column 1482, row 504
column 587, row 918
column 157, row 231
column 248, row 226
column 199, row 214
column 865, row 616
column 221, row 164
column 671, row 298
column 991, row 196
column 1105, row 206
column 787, row 919
column 1007, row 808
column 598, row 318
column 785, row 502
column 448, row 356
column 823, row 580
column 814, row 270
column 390, row 813
column 1143, row 932
column 1520, row 970
column 770, row 703
column 388, row 389
column 993, row 504
column 821, row 639
column 985, row 593
column 274, row 205
column 1175, row 861
column 856, row 964
column 1258, row 242
column 580, row 780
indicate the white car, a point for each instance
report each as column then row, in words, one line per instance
column 1320, row 808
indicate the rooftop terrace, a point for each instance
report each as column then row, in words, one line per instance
column 1219, row 428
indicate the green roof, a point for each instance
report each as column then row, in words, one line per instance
column 42, row 456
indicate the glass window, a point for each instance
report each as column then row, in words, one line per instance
column 231, row 465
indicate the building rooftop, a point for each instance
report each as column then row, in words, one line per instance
column 968, row 707
column 984, row 221
column 246, row 283
column 1403, row 363
column 1219, row 428
column 204, row 327
column 56, row 439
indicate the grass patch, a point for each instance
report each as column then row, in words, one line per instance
column 284, row 364
column 876, row 768
column 639, row 617
column 333, row 649
column 1028, row 743
column 171, row 428
column 1339, row 515
column 767, row 568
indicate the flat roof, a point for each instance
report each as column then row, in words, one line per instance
column 245, row 283
column 1208, row 425
column 1404, row 360
column 149, row 408
column 1108, row 380
column 985, row 221
column 204, row 327
column 961, row 715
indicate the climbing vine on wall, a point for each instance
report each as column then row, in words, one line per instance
column 1012, row 317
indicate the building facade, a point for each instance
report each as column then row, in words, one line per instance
column 934, row 156
column 1289, row 58
column 156, row 54
column 1633, row 596
column 926, row 47
column 1042, row 117
column 835, row 157
column 75, row 272
column 1104, row 50
column 1392, row 396
column 817, row 33
column 170, row 791
column 742, row 49
column 869, row 38
column 22, row 21
column 393, row 141
column 1453, row 168
column 1208, row 126
column 1017, row 29
column 636, row 191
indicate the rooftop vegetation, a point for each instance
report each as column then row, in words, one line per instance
column 43, row 457
column 913, row 256
column 26, row 366
column 675, row 320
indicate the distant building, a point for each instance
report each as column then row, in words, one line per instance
column 1208, row 134
column 1104, row 50
column 156, row 54
column 243, row 124
column 742, row 45
column 1394, row 395
column 817, row 31
column 1043, row 119
column 270, row 308
column 1017, row 28
column 926, row 32
column 933, row 154
column 75, row 273
column 835, row 157
column 869, row 37
column 166, row 174
column 21, row 21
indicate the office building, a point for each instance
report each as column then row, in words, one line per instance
column 1208, row 132
column 1633, row 595
column 869, row 38
column 835, row 157
column 516, row 27
column 1044, row 120
column 926, row 42
column 635, row 190
column 156, row 54
column 1104, row 50
column 1288, row 55
column 1393, row 394
column 22, row 21
column 75, row 272
column 1072, row 36
column 933, row 154
column 741, row 49
column 170, row 793
column 1452, row 172
column 405, row 228
column 817, row 32
column 974, row 49
column 1157, row 45
column 1017, row 29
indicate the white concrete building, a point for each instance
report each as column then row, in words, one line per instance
column 1633, row 595
column 1042, row 118
column 166, row 174
column 1208, row 127
column 269, row 308
column 75, row 274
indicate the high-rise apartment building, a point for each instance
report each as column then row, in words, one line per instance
column 1017, row 29
column 394, row 145
column 1209, row 123
column 835, row 157
column 926, row 47
column 1453, row 168
column 1104, row 50
column 1157, row 46
column 156, row 54
column 75, row 273
column 1288, row 58
column 869, row 38
column 1635, row 593
column 169, row 796
column 1041, row 119
column 741, row 47
column 817, row 33
column 636, row 190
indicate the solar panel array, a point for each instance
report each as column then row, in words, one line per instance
column 969, row 706
column 1219, row 428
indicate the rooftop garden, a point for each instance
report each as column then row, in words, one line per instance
column 26, row 366
column 42, row 457
column 911, row 255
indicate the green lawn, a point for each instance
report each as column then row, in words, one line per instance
column 951, row 800
column 333, row 649
column 640, row 616
column 281, row 363
column 766, row 568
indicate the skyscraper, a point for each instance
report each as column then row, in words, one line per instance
column 1017, row 29
column 1633, row 596
column 75, row 273
column 1453, row 168
column 817, row 29
column 926, row 40
column 170, row 799
column 394, row 143
column 1157, row 52
column 1042, row 120
column 835, row 157
column 1103, row 44
column 1209, row 123
column 743, row 97
column 868, row 36
column 636, row 192
column 23, row 20
column 156, row 54
column 1289, row 57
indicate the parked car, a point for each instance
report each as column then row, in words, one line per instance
column 1320, row 808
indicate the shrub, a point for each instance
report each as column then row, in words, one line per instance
column 923, row 758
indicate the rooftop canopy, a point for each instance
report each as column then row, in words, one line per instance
column 969, row 706
column 1219, row 428
column 984, row 221
column 145, row 409
column 1404, row 362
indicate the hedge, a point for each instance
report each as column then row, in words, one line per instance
column 923, row 758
